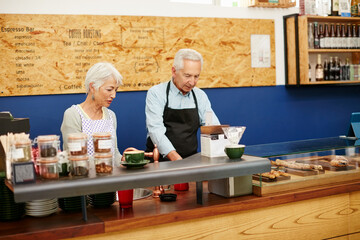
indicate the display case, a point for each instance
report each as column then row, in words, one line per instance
column 308, row 163
column 298, row 54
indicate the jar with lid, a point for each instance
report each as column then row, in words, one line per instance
column 48, row 146
column 21, row 151
column 102, row 142
column 77, row 144
column 79, row 165
column 49, row 168
column 103, row 163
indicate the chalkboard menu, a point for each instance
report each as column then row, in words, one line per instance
column 50, row 54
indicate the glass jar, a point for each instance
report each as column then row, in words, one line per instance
column 48, row 145
column 49, row 168
column 79, row 165
column 103, row 163
column 102, row 142
column 21, row 151
column 77, row 144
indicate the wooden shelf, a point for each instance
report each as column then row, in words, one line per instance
column 331, row 19
column 267, row 4
column 323, row 50
column 334, row 82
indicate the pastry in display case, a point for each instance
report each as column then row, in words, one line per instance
column 309, row 163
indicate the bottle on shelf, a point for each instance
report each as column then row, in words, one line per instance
column 358, row 35
column 334, row 7
column 316, row 36
column 327, row 37
column 321, row 36
column 309, row 72
column 349, row 37
column 331, row 70
column 336, row 69
column 347, row 70
column 343, row 36
column 354, row 9
column 311, row 36
column 332, row 36
column 326, row 11
column 354, row 37
column 326, row 70
column 338, row 37
column 344, row 70
column 319, row 70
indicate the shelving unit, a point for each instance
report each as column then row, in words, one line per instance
column 298, row 55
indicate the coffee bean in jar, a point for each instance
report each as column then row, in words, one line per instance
column 49, row 168
column 103, row 163
column 48, row 145
column 79, row 165
column 102, row 142
column 77, row 143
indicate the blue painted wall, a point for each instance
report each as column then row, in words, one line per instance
column 271, row 114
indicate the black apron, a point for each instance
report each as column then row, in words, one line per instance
column 181, row 128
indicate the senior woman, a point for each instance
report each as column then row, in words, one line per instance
column 91, row 116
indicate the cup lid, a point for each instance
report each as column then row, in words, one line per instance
column 46, row 138
column 79, row 158
column 77, row 136
column 47, row 160
column 102, row 134
column 22, row 142
column 103, row 155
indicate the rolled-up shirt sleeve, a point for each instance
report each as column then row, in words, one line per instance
column 154, row 109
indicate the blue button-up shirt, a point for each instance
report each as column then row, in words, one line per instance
column 154, row 110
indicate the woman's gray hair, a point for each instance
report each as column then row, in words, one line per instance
column 99, row 73
column 188, row 54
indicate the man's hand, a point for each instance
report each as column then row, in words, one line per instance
column 173, row 156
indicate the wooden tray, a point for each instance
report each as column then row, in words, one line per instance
column 324, row 161
column 304, row 173
column 266, row 179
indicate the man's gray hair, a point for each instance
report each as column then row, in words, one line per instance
column 99, row 73
column 188, row 54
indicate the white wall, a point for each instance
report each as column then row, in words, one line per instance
column 155, row 8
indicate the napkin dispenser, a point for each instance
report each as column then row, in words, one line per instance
column 213, row 141
column 231, row 187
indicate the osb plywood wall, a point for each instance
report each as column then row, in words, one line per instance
column 50, row 54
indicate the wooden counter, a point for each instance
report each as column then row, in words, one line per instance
column 320, row 212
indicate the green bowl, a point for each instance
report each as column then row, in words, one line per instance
column 234, row 151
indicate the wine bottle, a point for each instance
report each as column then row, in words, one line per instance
column 343, row 36
column 319, row 70
column 349, row 37
column 334, row 7
column 331, row 69
column 327, row 39
column 316, row 36
column 311, row 36
column 326, row 70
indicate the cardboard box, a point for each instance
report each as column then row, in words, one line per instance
column 213, row 145
column 231, row 187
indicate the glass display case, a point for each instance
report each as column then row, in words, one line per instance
column 307, row 163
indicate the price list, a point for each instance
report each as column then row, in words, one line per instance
column 51, row 54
